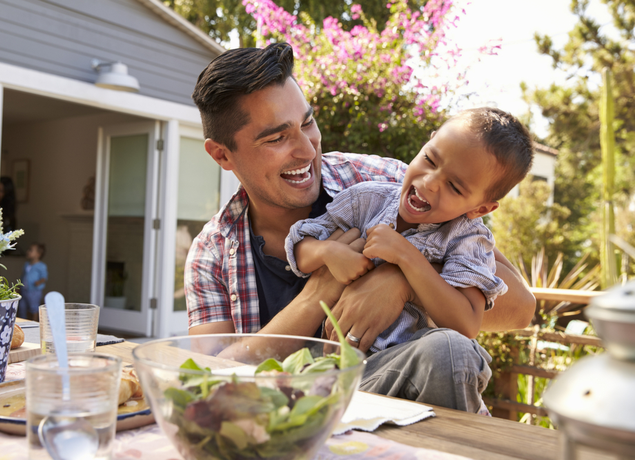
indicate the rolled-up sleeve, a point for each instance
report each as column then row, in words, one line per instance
column 206, row 291
column 469, row 261
column 340, row 213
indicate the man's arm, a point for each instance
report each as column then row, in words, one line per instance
column 516, row 308
column 303, row 315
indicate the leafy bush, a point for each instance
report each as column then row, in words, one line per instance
column 368, row 84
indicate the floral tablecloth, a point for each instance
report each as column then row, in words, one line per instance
column 149, row 443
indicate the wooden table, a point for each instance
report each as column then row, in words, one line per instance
column 460, row 433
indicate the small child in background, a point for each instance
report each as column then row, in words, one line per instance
column 34, row 277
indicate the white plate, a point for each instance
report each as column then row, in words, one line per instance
column 17, row 425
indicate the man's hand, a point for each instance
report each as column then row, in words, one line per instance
column 385, row 243
column 370, row 304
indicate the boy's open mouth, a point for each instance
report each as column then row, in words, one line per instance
column 416, row 202
column 297, row 176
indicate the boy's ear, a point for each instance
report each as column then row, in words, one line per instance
column 219, row 153
column 482, row 209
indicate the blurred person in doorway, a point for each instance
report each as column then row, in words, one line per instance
column 34, row 278
column 7, row 203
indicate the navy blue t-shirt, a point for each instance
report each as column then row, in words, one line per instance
column 277, row 284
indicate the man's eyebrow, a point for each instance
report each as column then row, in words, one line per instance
column 276, row 129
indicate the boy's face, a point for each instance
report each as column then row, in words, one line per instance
column 33, row 253
column 278, row 154
column 448, row 178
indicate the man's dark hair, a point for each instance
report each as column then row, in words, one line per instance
column 231, row 76
column 507, row 139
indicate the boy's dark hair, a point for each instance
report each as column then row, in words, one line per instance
column 231, row 76
column 41, row 249
column 507, row 139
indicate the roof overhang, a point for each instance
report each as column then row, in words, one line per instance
column 44, row 84
column 545, row 149
column 180, row 22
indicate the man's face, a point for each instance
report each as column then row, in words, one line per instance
column 278, row 154
column 448, row 178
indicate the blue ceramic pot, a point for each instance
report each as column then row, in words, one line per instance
column 8, row 312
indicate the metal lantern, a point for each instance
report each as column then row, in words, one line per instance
column 593, row 402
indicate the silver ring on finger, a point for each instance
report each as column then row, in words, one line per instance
column 352, row 338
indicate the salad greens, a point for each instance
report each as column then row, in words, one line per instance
column 233, row 418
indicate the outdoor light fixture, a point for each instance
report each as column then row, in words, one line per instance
column 114, row 75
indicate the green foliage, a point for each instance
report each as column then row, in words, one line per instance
column 503, row 349
column 573, row 113
column 524, row 225
column 579, row 278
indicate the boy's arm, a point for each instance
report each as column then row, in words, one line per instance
column 460, row 309
column 389, row 290
column 343, row 262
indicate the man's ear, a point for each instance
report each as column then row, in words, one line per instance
column 219, row 153
column 482, row 209
column 432, row 135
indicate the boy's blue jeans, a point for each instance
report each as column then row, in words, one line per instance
column 30, row 302
column 437, row 366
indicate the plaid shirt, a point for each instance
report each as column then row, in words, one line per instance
column 220, row 278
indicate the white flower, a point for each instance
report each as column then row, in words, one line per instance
column 2, row 351
column 7, row 238
column 5, row 336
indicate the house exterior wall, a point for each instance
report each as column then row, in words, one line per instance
column 543, row 168
column 62, row 37
column 62, row 159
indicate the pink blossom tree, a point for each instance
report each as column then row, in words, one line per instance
column 370, row 88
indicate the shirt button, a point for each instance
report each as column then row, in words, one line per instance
column 233, row 297
column 232, row 251
column 391, row 225
column 288, row 268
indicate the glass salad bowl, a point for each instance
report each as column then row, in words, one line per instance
column 239, row 396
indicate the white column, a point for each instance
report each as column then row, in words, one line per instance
column 100, row 221
column 228, row 185
column 168, row 321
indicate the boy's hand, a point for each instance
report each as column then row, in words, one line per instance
column 385, row 243
column 346, row 264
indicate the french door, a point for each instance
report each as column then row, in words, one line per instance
column 125, row 235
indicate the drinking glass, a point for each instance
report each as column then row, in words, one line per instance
column 73, row 409
column 81, row 328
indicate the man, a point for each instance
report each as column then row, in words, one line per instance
column 258, row 124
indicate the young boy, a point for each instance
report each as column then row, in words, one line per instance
column 474, row 159
column 34, row 277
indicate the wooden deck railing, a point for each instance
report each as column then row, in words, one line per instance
column 506, row 385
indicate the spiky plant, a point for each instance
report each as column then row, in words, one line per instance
column 540, row 275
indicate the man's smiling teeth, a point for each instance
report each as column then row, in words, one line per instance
column 426, row 206
column 295, row 172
